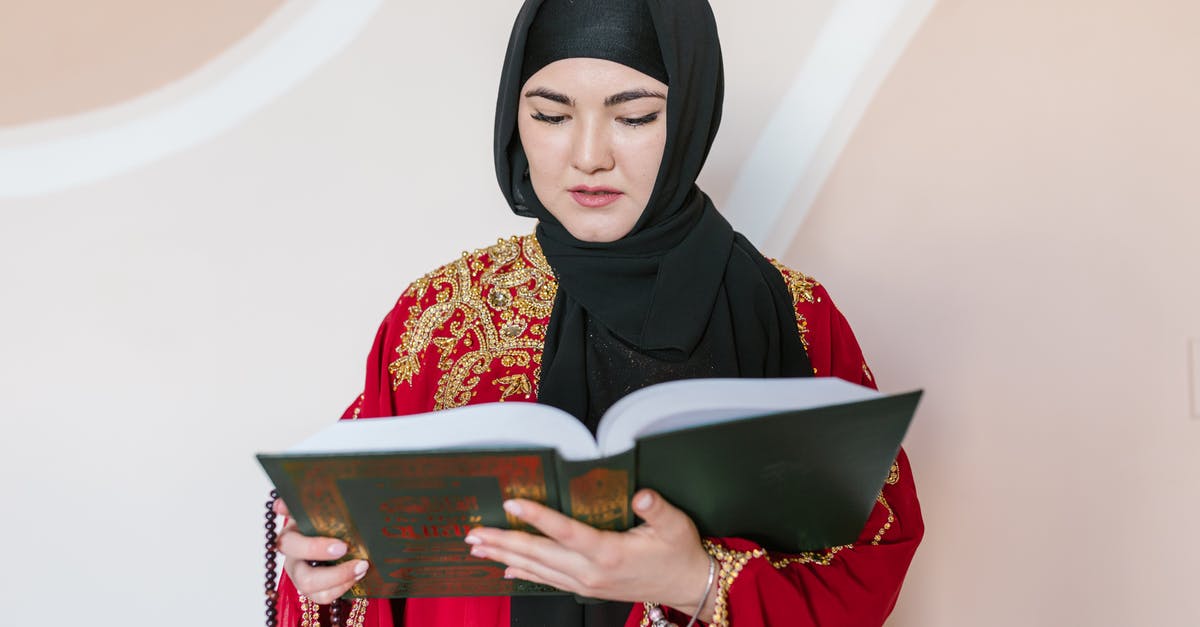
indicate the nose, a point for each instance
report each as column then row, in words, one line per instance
column 592, row 150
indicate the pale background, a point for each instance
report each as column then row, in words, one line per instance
column 207, row 206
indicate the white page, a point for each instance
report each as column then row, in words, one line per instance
column 492, row 425
column 699, row 402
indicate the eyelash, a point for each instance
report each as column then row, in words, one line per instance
column 635, row 122
column 632, row 122
column 548, row 119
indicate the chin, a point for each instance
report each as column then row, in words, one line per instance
column 599, row 234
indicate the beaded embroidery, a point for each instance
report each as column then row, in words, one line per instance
column 483, row 303
column 799, row 284
column 310, row 613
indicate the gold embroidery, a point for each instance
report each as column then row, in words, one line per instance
column 731, row 563
column 891, row 518
column 894, row 474
column 499, row 299
column 646, row 607
column 310, row 613
column 358, row 613
column 800, row 285
column 820, row 558
column 867, row 372
column 484, row 302
column 802, row 324
column 358, row 407
column 514, row 385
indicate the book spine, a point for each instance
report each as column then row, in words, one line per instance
column 597, row 491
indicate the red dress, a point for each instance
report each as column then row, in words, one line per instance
column 473, row 330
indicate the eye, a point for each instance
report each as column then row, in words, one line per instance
column 548, row 119
column 642, row 121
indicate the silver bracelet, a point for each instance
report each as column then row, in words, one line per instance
column 659, row 619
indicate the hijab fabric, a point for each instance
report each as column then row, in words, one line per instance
column 682, row 295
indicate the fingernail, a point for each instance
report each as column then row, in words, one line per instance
column 337, row 549
column 508, row 575
column 512, row 507
column 478, row 552
column 644, row 502
column 472, row 540
column 360, row 569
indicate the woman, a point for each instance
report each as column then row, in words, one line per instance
column 606, row 112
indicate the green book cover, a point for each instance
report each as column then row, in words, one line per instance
column 793, row 464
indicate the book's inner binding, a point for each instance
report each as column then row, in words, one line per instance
column 686, row 404
column 476, row 427
column 661, row 408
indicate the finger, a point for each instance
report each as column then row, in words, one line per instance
column 294, row 545
column 513, row 572
column 280, row 508
column 543, row 572
column 517, row 548
column 323, row 584
column 660, row 515
column 567, row 531
column 527, row 545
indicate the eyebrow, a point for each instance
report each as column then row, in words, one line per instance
column 615, row 99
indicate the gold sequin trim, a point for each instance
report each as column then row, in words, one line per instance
column 891, row 519
column 358, row 407
column 894, row 474
column 310, row 613
column 818, row 558
column 358, row 613
column 646, row 607
column 484, row 303
column 731, row 563
column 867, row 372
column 800, row 285
column 514, row 385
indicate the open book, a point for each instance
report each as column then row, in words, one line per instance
column 794, row 464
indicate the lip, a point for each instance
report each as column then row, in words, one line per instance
column 594, row 197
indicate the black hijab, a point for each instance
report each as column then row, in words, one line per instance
column 682, row 295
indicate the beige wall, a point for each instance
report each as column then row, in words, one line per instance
column 64, row 57
column 1015, row 227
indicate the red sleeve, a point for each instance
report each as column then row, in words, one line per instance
column 394, row 385
column 855, row 585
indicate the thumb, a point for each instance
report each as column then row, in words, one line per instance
column 651, row 507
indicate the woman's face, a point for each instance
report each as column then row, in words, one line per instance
column 594, row 133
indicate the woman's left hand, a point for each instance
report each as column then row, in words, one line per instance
column 660, row 560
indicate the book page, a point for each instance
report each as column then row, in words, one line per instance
column 690, row 403
column 488, row 426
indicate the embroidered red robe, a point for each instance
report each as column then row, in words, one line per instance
column 473, row 330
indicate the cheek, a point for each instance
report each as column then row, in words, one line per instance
column 645, row 157
column 542, row 149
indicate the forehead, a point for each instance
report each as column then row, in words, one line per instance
column 583, row 75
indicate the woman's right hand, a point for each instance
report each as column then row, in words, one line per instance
column 321, row 584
